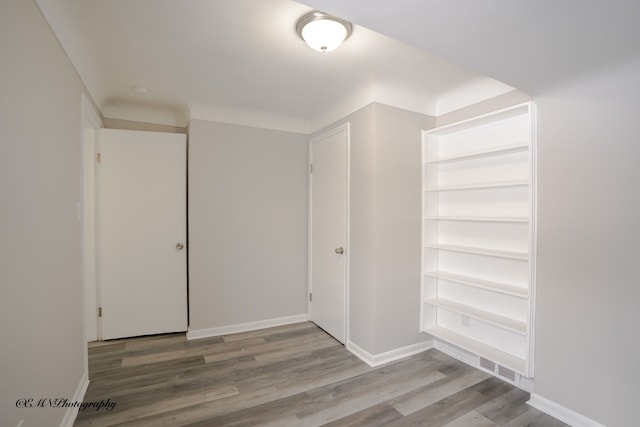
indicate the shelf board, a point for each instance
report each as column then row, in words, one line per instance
column 492, row 117
column 479, row 219
column 520, row 256
column 500, row 357
column 481, row 186
column 488, row 317
column 491, row 152
column 502, row 288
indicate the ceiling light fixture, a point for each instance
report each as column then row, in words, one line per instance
column 323, row 32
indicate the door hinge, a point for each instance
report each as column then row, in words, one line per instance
column 311, row 168
column 99, row 311
column 99, row 157
column 310, row 297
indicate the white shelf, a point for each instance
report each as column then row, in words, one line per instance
column 502, row 288
column 500, row 357
column 502, row 322
column 520, row 256
column 491, row 152
column 480, row 186
column 479, row 219
column 481, row 120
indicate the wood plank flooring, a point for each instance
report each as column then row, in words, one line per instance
column 294, row 375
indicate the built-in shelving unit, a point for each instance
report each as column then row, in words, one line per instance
column 478, row 236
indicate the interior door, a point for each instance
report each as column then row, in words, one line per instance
column 328, row 231
column 142, row 233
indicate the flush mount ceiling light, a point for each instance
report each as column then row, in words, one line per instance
column 323, row 32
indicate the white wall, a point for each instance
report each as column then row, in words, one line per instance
column 40, row 182
column 588, row 288
column 248, row 200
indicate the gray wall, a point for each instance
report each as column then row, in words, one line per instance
column 398, row 226
column 248, row 196
column 362, row 228
column 505, row 100
column 248, row 230
column 586, row 342
column 587, row 336
column 384, row 282
column 40, row 176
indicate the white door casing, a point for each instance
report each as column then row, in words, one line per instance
column 90, row 124
column 142, row 233
column 328, row 231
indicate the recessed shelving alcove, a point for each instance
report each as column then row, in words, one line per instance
column 478, row 236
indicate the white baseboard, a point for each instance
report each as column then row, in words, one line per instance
column 558, row 411
column 527, row 384
column 72, row 412
column 374, row 360
column 473, row 360
column 457, row 353
column 244, row 327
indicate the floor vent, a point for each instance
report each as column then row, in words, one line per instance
column 487, row 364
column 497, row 370
column 507, row 373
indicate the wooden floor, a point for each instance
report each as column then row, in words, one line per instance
column 293, row 375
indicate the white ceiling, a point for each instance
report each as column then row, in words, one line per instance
column 240, row 61
column 532, row 45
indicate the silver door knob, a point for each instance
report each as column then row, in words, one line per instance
column 179, row 246
column 340, row 250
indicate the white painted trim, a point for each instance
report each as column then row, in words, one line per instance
column 72, row 412
column 89, row 118
column 309, row 222
column 456, row 352
column 527, row 384
column 473, row 360
column 360, row 352
column 374, row 360
column 344, row 127
column 533, row 236
column 347, row 270
column 562, row 413
column 244, row 327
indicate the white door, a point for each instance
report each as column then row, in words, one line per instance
column 142, row 233
column 328, row 231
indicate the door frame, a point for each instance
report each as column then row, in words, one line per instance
column 345, row 127
column 142, row 141
column 89, row 119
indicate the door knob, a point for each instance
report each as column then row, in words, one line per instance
column 339, row 250
column 179, row 246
